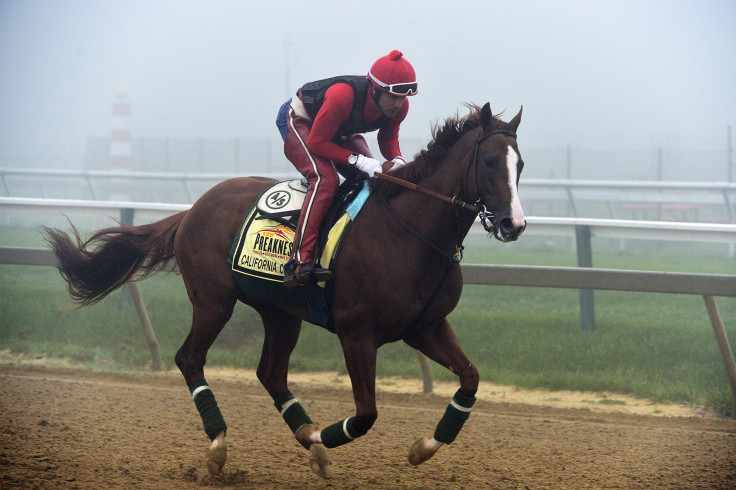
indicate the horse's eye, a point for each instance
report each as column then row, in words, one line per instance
column 491, row 161
column 520, row 165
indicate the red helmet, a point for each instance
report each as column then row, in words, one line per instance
column 393, row 74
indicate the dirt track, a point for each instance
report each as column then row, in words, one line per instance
column 80, row 429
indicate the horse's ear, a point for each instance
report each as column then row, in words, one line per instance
column 514, row 123
column 486, row 115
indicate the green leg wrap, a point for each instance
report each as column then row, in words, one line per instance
column 454, row 418
column 205, row 401
column 339, row 433
column 294, row 414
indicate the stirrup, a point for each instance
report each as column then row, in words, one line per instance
column 297, row 274
column 316, row 272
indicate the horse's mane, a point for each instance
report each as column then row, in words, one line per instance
column 425, row 162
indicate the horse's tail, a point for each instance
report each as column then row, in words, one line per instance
column 111, row 257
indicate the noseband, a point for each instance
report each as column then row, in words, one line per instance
column 487, row 218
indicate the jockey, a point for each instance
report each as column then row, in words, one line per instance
column 322, row 128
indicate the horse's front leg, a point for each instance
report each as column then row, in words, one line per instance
column 360, row 360
column 441, row 345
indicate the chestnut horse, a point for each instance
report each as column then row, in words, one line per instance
column 397, row 277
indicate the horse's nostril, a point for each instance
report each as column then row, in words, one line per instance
column 507, row 226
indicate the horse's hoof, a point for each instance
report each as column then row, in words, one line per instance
column 304, row 434
column 319, row 461
column 216, row 456
column 421, row 451
column 216, row 460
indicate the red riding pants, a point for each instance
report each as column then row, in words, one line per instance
column 323, row 181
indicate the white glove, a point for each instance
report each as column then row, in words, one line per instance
column 368, row 165
column 398, row 163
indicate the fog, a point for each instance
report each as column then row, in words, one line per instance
column 624, row 74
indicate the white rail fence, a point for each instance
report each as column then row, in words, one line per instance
column 95, row 181
column 644, row 197
column 547, row 226
column 716, row 200
column 583, row 278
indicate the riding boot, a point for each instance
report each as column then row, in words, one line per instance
column 296, row 274
column 290, row 277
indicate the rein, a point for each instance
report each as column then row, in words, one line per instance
column 428, row 192
column 486, row 217
column 451, row 259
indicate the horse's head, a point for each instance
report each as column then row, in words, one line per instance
column 497, row 164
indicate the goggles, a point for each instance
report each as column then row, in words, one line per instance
column 400, row 89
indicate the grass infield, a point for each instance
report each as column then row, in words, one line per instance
column 655, row 346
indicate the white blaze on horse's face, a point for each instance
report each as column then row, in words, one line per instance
column 512, row 162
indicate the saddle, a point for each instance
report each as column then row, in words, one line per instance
column 265, row 242
column 283, row 202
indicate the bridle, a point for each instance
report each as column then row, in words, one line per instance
column 487, row 218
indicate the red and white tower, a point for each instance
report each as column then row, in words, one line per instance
column 120, row 143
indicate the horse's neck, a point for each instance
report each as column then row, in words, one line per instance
column 436, row 218
column 448, row 178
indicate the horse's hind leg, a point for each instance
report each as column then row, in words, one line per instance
column 281, row 332
column 441, row 345
column 212, row 308
column 281, row 335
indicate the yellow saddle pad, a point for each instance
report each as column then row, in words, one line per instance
column 265, row 241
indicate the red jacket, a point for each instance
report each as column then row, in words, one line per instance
column 335, row 110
